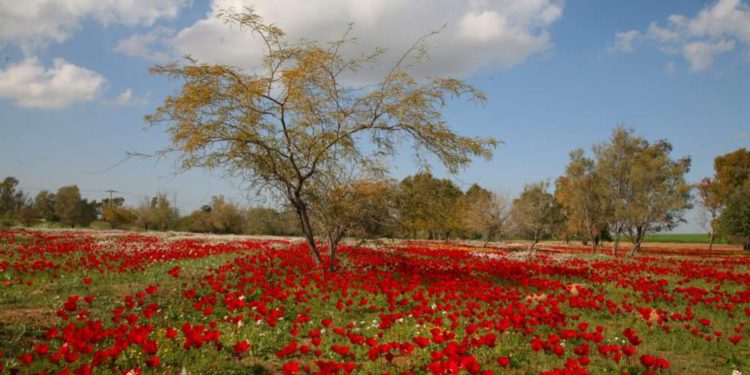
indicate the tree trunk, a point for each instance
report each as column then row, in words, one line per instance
column 711, row 238
column 333, row 243
column 616, row 245
column 746, row 245
column 533, row 243
column 332, row 266
column 640, row 233
column 307, row 231
column 635, row 249
column 532, row 250
column 593, row 245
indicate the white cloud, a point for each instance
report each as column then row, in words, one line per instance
column 34, row 23
column 716, row 29
column 701, row 54
column 125, row 98
column 29, row 84
column 725, row 18
column 482, row 26
column 625, row 41
column 479, row 33
column 665, row 35
column 149, row 46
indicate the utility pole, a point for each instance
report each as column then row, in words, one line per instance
column 110, row 191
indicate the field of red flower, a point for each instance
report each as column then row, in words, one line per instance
column 81, row 303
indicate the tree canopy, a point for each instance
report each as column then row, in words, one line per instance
column 721, row 197
column 429, row 206
column 156, row 213
column 645, row 187
column 294, row 120
column 731, row 171
column 68, row 205
column 582, row 196
column 11, row 199
column 536, row 214
column 735, row 219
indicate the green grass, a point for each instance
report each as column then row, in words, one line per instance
column 701, row 238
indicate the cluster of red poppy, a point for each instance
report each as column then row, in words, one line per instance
column 406, row 309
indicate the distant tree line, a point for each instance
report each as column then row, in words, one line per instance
column 420, row 206
column 628, row 188
column 65, row 207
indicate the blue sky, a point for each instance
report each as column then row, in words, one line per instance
column 558, row 75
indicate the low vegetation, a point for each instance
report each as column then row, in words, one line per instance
column 131, row 303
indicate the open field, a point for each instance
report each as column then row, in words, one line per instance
column 686, row 238
column 119, row 302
